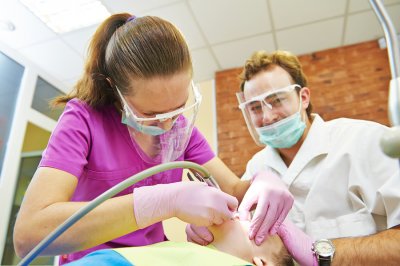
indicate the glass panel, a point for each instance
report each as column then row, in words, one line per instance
column 10, row 79
column 44, row 92
column 27, row 169
column 35, row 141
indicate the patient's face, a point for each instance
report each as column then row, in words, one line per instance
column 232, row 237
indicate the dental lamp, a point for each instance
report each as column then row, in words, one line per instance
column 390, row 141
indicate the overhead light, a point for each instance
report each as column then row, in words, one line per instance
column 67, row 15
column 7, row 25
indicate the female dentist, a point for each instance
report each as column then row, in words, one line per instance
column 126, row 115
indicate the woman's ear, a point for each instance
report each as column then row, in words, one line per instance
column 110, row 82
column 259, row 262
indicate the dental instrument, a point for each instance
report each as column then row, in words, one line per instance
column 210, row 181
column 103, row 197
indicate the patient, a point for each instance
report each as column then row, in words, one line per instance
column 231, row 246
column 232, row 237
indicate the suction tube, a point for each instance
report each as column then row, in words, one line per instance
column 103, row 197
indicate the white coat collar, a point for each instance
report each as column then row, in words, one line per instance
column 316, row 143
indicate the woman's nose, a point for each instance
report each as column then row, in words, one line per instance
column 167, row 124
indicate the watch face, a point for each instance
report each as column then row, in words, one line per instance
column 324, row 248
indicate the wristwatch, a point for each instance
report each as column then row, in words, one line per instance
column 324, row 250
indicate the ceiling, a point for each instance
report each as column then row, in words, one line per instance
column 221, row 33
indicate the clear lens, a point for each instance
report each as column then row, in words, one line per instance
column 193, row 102
column 164, row 137
column 268, row 108
column 278, row 102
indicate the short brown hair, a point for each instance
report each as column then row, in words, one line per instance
column 124, row 48
column 283, row 258
column 261, row 61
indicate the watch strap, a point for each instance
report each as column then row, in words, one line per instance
column 324, row 261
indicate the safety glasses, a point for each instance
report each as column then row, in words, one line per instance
column 173, row 115
column 272, row 99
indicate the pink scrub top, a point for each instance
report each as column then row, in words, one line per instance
column 93, row 145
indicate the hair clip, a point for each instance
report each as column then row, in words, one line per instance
column 131, row 18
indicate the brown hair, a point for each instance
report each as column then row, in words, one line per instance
column 282, row 258
column 122, row 50
column 261, row 60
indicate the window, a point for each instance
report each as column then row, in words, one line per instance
column 44, row 92
column 10, row 79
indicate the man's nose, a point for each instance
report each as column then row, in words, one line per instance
column 269, row 116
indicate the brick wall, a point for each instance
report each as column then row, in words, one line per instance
column 350, row 81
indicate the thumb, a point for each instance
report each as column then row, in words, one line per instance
column 246, row 205
column 232, row 203
column 244, row 209
column 282, row 230
column 244, row 215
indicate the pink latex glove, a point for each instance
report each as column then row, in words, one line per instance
column 199, row 234
column 273, row 201
column 298, row 244
column 192, row 202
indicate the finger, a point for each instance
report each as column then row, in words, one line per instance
column 283, row 210
column 218, row 220
column 274, row 216
column 233, row 203
column 287, row 206
column 192, row 236
column 245, row 207
column 204, row 233
column 244, row 215
column 198, row 240
column 281, row 217
column 283, row 231
column 227, row 211
column 258, row 217
column 266, row 225
column 247, row 202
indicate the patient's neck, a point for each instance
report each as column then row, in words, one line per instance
column 232, row 237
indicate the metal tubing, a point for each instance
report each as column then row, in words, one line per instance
column 394, row 60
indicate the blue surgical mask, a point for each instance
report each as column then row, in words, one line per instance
column 149, row 130
column 284, row 133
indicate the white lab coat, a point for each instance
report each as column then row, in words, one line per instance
column 343, row 184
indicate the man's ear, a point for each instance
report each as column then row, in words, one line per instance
column 259, row 262
column 305, row 96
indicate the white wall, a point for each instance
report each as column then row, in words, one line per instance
column 22, row 115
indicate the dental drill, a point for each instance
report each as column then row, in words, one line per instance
column 106, row 195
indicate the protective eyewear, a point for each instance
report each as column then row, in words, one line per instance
column 269, row 107
column 274, row 99
column 173, row 115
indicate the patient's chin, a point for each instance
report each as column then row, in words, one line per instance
column 245, row 224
